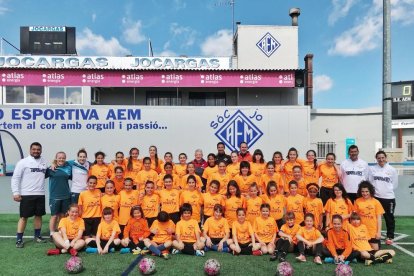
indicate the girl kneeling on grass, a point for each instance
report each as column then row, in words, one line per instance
column 163, row 229
column 69, row 238
column 287, row 242
column 309, row 240
column 243, row 236
column 338, row 245
column 360, row 242
column 107, row 236
column 265, row 230
column 135, row 231
column 216, row 231
column 187, row 234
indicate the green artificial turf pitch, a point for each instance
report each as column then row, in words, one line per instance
column 32, row 259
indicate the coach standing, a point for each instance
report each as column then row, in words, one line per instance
column 28, row 187
column 353, row 172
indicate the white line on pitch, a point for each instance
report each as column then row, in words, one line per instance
column 404, row 250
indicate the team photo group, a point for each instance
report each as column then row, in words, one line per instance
column 236, row 203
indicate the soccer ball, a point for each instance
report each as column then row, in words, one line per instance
column 74, row 265
column 146, row 266
column 212, row 267
column 343, row 270
column 284, row 269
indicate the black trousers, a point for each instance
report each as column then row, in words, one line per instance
column 303, row 250
column 389, row 208
column 325, row 194
column 282, row 245
column 353, row 255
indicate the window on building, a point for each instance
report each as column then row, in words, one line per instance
column 207, row 99
column 163, row 98
column 65, row 95
column 410, row 149
column 25, row 95
column 323, row 148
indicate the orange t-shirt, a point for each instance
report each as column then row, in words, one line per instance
column 265, row 229
column 184, row 185
column 119, row 184
column 253, row 208
column 150, row 205
column 310, row 174
column 309, row 234
column 144, row 176
column 243, row 232
column 91, row 203
column 301, row 187
column 339, row 240
column 257, row 169
column 231, row 205
column 277, row 205
column 136, row 229
column 222, row 178
column 329, row 175
column 209, row 200
column 339, row 207
column 162, row 235
column 72, row 227
column 111, row 169
column 265, row 178
column 133, row 172
column 127, row 199
column 160, row 182
column 208, row 171
column 187, row 230
column 195, row 200
column 233, row 169
column 296, row 204
column 359, row 237
column 106, row 229
column 170, row 200
column 180, row 170
column 288, row 169
column 291, row 231
column 158, row 168
column 216, row 228
column 315, row 207
column 101, row 172
column 369, row 210
column 111, row 201
column 244, row 182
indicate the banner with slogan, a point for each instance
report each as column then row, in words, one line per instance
column 174, row 129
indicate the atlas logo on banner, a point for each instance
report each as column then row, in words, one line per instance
column 237, row 128
column 268, row 44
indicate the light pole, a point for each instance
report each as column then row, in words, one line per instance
column 386, row 76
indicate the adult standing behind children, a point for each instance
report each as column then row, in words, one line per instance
column 353, row 171
column 28, row 188
column 385, row 180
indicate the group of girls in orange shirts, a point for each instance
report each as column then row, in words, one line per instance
column 242, row 207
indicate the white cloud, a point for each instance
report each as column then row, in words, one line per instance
column 93, row 17
column 133, row 31
column 218, row 44
column 366, row 33
column 340, row 9
column 179, row 4
column 166, row 53
column 3, row 8
column 184, row 33
column 322, row 83
column 90, row 43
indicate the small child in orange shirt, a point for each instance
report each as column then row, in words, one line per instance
column 89, row 203
column 314, row 205
column 216, row 231
column 187, row 234
column 243, row 236
column 107, row 236
column 150, row 203
column 69, row 238
column 163, row 229
column 309, row 240
column 287, row 242
column 265, row 230
column 253, row 203
column 135, row 231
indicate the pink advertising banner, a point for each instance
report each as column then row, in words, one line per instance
column 147, row 78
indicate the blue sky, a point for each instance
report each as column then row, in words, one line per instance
column 345, row 36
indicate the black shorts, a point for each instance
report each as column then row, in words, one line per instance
column 32, row 205
column 91, row 226
column 375, row 241
column 175, row 217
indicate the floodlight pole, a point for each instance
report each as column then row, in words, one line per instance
column 386, row 76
